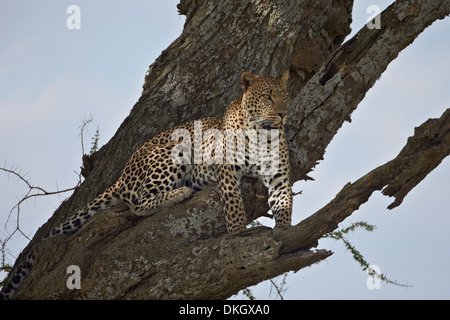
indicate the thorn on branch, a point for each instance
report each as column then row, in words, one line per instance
column 33, row 192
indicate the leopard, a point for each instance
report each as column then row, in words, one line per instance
column 164, row 171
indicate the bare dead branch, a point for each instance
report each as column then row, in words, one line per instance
column 297, row 193
column 33, row 192
column 36, row 191
column 82, row 128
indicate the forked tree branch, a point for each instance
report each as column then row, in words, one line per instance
column 423, row 152
column 33, row 192
column 199, row 260
column 341, row 83
column 183, row 252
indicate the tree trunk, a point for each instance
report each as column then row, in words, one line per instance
column 184, row 251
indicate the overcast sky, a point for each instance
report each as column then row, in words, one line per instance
column 52, row 78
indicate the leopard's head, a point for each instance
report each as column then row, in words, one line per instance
column 266, row 99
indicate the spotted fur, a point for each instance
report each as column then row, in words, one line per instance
column 151, row 180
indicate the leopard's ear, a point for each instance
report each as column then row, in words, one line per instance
column 284, row 79
column 247, row 79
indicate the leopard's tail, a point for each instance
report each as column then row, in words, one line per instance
column 104, row 201
column 17, row 278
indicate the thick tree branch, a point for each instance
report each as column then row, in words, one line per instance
column 423, row 152
column 199, row 74
column 165, row 256
column 183, row 251
column 176, row 256
column 333, row 93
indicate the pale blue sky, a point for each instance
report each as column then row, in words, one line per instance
column 52, row 78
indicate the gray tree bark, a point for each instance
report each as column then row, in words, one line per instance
column 184, row 251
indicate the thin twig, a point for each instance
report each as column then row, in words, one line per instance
column 30, row 189
column 82, row 127
column 279, row 289
column 33, row 192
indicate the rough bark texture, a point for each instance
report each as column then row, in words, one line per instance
column 184, row 251
column 423, row 152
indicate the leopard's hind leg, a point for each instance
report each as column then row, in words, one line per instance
column 165, row 183
column 150, row 203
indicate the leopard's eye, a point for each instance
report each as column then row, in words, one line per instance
column 266, row 96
